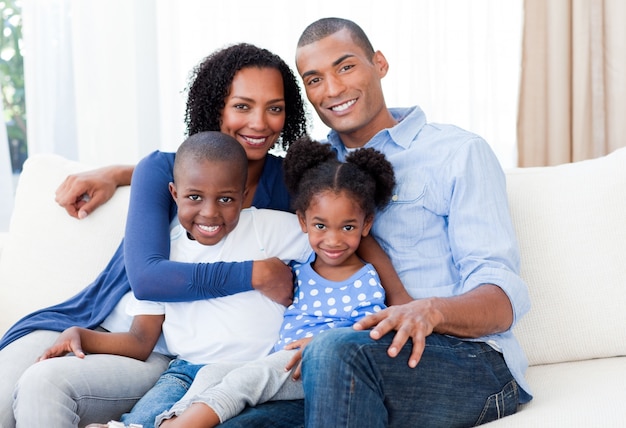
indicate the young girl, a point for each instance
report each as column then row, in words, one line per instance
column 335, row 204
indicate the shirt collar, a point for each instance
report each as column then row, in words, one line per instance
column 402, row 134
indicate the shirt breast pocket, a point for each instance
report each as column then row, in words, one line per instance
column 402, row 222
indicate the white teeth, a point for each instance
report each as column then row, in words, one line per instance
column 208, row 228
column 255, row 140
column 344, row 106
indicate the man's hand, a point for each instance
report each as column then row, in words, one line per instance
column 68, row 341
column 80, row 194
column 483, row 310
column 296, row 359
column 416, row 320
column 273, row 278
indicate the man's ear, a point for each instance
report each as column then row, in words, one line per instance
column 382, row 66
column 173, row 192
column 367, row 225
column 302, row 221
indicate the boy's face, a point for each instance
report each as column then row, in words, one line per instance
column 209, row 196
column 344, row 86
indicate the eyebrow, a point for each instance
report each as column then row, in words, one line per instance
column 277, row 100
column 334, row 64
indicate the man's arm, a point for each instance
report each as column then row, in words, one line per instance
column 80, row 194
column 371, row 252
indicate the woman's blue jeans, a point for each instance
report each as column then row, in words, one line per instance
column 350, row 381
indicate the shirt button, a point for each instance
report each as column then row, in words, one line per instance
column 394, row 198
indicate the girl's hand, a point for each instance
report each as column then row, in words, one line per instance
column 296, row 359
column 68, row 341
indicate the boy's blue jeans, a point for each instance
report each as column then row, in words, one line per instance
column 349, row 381
column 170, row 388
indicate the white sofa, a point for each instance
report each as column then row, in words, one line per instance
column 571, row 225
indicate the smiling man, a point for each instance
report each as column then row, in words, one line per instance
column 448, row 358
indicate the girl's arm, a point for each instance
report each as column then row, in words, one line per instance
column 371, row 252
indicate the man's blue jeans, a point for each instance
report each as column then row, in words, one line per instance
column 170, row 388
column 350, row 381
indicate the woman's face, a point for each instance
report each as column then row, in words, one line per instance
column 254, row 111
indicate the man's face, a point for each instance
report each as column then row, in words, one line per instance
column 344, row 86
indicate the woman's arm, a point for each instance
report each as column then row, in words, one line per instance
column 80, row 194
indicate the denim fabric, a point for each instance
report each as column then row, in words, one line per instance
column 170, row 388
column 350, row 381
column 273, row 414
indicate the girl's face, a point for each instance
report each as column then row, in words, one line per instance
column 335, row 224
column 254, row 111
column 209, row 196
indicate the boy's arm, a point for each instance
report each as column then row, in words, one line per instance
column 371, row 252
column 137, row 343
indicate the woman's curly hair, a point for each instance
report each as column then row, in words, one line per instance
column 211, row 80
column 312, row 168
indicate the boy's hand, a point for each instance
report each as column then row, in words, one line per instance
column 68, row 341
column 296, row 360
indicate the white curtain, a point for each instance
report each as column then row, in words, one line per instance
column 105, row 78
column 6, row 181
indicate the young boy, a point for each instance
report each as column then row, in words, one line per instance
column 210, row 174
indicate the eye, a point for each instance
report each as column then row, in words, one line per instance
column 241, row 107
column 346, row 67
column 225, row 199
column 348, row 228
column 276, row 109
column 319, row 226
column 313, row 81
column 195, row 197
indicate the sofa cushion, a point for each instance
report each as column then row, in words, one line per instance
column 48, row 256
column 571, row 226
column 575, row 394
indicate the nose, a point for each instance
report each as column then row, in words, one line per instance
column 334, row 86
column 332, row 238
column 209, row 209
column 258, row 120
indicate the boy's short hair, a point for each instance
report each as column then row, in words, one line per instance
column 213, row 146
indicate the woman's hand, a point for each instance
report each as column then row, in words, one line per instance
column 274, row 279
column 80, row 194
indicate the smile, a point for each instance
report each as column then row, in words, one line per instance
column 255, row 141
column 209, row 229
column 343, row 107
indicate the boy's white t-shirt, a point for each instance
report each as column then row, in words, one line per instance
column 236, row 328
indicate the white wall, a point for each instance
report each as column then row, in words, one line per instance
column 105, row 77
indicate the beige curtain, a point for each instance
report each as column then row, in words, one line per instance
column 573, row 83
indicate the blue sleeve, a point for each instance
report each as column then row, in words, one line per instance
column 481, row 233
column 151, row 274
